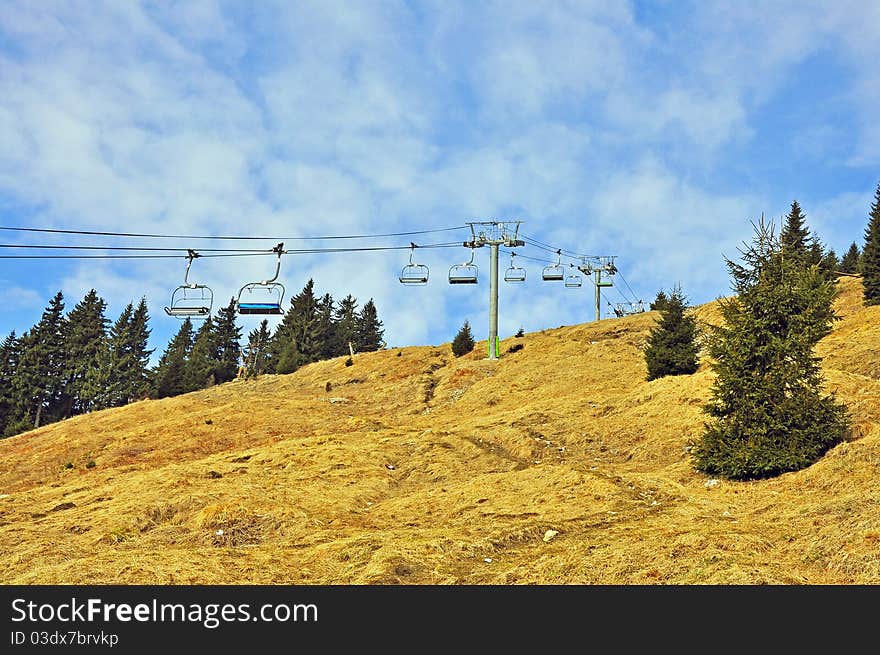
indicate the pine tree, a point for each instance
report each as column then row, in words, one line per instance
column 9, row 354
column 795, row 237
column 871, row 254
column 346, row 325
column 226, row 335
column 126, row 361
column 850, row 261
column 39, row 377
column 672, row 347
column 369, row 329
column 463, row 343
column 769, row 412
column 85, row 342
column 169, row 374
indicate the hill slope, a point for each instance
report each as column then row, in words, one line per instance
column 417, row 467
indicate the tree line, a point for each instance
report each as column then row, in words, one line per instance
column 768, row 411
column 77, row 362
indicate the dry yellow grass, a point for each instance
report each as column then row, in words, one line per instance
column 417, row 467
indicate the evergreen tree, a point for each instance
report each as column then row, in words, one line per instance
column 660, row 302
column 226, row 335
column 829, row 264
column 325, row 329
column 795, row 237
column 9, row 354
column 871, row 254
column 200, row 367
column 256, row 353
column 294, row 343
column 115, row 364
column 770, row 414
column 850, row 261
column 39, row 378
column 85, row 342
column 463, row 343
column 170, row 371
column 139, row 375
column 672, row 346
column 346, row 325
column 369, row 330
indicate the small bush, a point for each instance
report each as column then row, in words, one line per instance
column 515, row 348
column 520, row 333
column 328, row 387
column 91, row 464
column 349, row 362
column 69, row 465
column 464, row 341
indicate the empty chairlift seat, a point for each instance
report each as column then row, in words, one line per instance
column 465, row 273
column 190, row 300
column 412, row 273
column 573, row 280
column 263, row 297
column 514, row 274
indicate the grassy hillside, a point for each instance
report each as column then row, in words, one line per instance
column 417, row 467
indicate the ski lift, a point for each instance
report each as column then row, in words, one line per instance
column 465, row 273
column 263, row 297
column 573, row 280
column 554, row 272
column 190, row 300
column 414, row 273
column 514, row 274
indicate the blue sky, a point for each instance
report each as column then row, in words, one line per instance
column 654, row 131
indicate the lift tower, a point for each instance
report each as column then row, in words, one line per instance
column 494, row 234
column 597, row 266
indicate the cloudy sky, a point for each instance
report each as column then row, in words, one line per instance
column 653, row 131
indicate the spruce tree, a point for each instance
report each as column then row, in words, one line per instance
column 829, row 264
column 369, row 329
column 870, row 264
column 170, row 372
column 115, row 361
column 795, row 237
column 770, row 415
column 200, row 367
column 85, row 342
column 294, row 343
column 346, row 325
column 325, row 329
column 660, row 302
column 226, row 336
column 463, row 343
column 672, row 346
column 256, row 353
column 139, row 376
column 39, row 377
column 849, row 263
column 9, row 354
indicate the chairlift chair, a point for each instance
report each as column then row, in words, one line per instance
column 573, row 280
column 514, row 274
column 415, row 274
column 465, row 273
column 263, row 297
column 190, row 300
column 554, row 272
